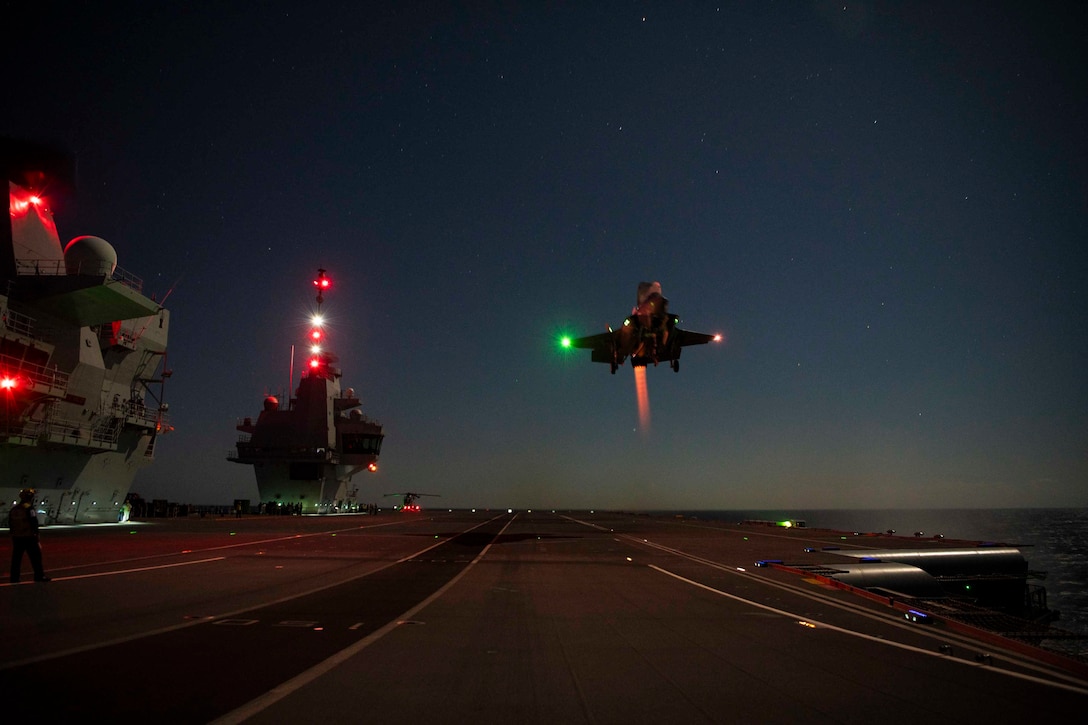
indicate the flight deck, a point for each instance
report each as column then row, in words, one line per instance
column 496, row 616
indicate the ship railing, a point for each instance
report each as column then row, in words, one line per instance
column 146, row 418
column 128, row 279
column 60, row 268
column 29, row 431
column 37, row 374
column 106, row 431
column 137, row 413
column 47, row 333
column 71, row 433
column 19, row 323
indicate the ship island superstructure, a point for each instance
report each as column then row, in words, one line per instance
column 305, row 453
column 82, row 356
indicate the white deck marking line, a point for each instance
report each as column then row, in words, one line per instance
column 226, row 546
column 134, row 571
column 869, row 637
column 302, row 679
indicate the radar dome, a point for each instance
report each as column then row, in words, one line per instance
column 271, row 403
column 90, row 255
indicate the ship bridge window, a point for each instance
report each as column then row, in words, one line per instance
column 362, row 443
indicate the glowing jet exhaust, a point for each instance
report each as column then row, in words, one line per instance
column 643, row 400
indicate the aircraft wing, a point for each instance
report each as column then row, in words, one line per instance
column 604, row 341
column 602, row 345
column 687, row 337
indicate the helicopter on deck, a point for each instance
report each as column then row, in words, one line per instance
column 409, row 503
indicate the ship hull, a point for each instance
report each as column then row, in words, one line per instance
column 75, row 487
column 285, row 485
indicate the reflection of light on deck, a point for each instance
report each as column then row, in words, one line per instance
column 643, row 400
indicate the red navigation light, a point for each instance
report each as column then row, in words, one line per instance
column 315, row 363
column 322, row 283
column 18, row 204
column 372, row 467
column 8, row 383
column 316, row 335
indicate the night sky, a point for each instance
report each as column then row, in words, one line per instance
column 881, row 205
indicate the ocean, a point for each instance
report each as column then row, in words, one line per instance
column 1054, row 541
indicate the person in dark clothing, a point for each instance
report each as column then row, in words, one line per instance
column 23, row 524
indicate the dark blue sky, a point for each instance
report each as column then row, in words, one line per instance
column 882, row 206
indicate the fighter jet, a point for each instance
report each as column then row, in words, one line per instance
column 649, row 335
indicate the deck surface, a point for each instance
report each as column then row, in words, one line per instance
column 488, row 617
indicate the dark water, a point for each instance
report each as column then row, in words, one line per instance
column 1054, row 541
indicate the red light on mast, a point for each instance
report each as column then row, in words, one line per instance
column 317, row 331
column 8, row 383
column 322, row 283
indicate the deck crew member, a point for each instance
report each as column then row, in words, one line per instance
column 23, row 524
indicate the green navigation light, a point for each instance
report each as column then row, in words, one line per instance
column 565, row 342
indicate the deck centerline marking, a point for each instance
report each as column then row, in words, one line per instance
column 251, row 708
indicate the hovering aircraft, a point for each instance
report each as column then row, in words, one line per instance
column 649, row 335
column 409, row 500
